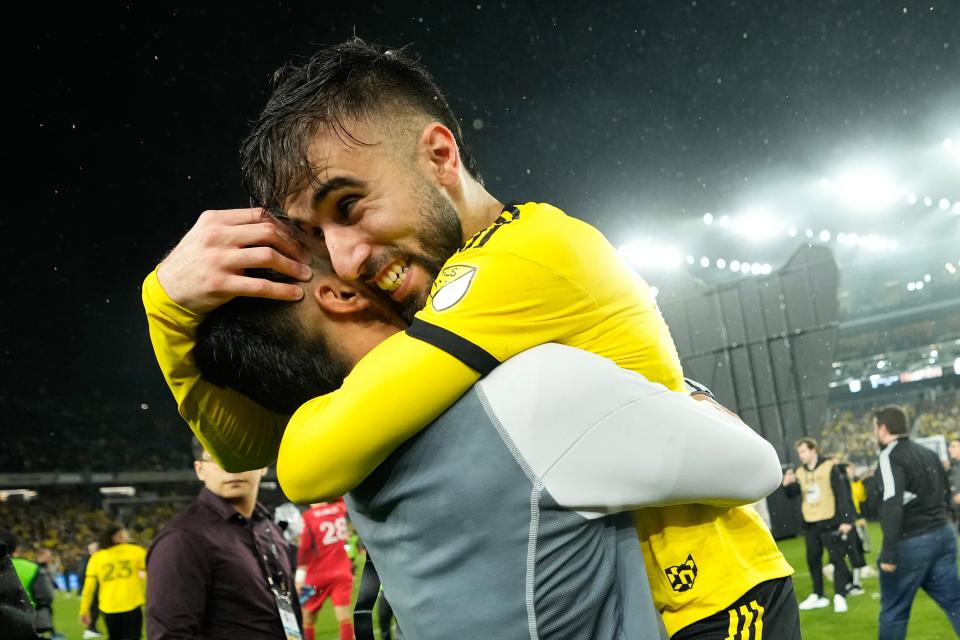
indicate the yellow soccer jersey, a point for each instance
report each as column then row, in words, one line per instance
column 118, row 576
column 536, row 276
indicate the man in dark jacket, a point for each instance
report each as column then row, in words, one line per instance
column 919, row 546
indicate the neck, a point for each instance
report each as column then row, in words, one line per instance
column 362, row 340
column 813, row 462
column 244, row 506
column 476, row 207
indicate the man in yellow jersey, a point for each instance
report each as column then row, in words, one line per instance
column 358, row 145
column 118, row 573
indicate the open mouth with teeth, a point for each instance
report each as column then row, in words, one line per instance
column 392, row 280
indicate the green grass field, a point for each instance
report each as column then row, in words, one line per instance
column 927, row 621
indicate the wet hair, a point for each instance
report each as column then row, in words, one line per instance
column 893, row 419
column 348, row 82
column 259, row 348
column 811, row 443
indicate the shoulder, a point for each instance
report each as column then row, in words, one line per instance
column 531, row 230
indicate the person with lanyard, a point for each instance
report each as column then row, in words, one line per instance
column 220, row 569
column 828, row 515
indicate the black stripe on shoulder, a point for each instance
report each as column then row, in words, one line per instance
column 457, row 346
column 512, row 208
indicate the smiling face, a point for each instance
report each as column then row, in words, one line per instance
column 383, row 217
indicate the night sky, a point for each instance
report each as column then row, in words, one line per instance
column 637, row 119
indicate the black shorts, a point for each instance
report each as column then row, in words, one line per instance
column 769, row 610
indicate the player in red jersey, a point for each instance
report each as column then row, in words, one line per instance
column 324, row 567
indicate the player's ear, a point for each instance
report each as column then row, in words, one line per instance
column 337, row 297
column 438, row 150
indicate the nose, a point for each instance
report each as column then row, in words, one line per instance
column 348, row 252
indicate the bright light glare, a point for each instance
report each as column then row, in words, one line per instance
column 721, row 263
column 950, row 268
column 824, row 236
column 708, row 218
column 911, row 198
column 944, row 204
column 645, row 254
column 704, row 262
column 855, row 386
column 735, row 265
column 745, row 267
column 757, row 225
column 911, row 286
column 792, row 231
column 866, row 189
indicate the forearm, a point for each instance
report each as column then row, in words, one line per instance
column 665, row 450
column 332, row 443
column 891, row 521
column 237, row 432
column 86, row 596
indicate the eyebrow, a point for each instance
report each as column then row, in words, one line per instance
column 340, row 182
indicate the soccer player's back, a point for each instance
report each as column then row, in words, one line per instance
column 117, row 573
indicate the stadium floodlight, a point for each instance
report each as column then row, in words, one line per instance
column 956, row 366
column 721, row 263
column 704, row 262
column 881, row 364
column 647, row 254
column 792, row 231
column 911, row 286
column 911, row 198
column 866, row 188
column 927, row 277
column 757, row 225
column 756, row 268
column 724, row 221
column 708, row 218
column 919, row 285
column 956, row 208
column 824, row 236
column 944, row 204
column 934, row 353
column 809, row 233
column 767, row 269
column 950, row 268
column 927, row 201
column 744, row 268
column 855, row 386
column 734, row 265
